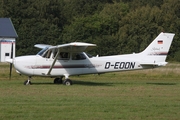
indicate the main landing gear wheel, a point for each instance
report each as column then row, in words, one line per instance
column 67, row 82
column 58, row 81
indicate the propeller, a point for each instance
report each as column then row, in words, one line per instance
column 11, row 62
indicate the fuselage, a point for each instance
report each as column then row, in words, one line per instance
column 37, row 65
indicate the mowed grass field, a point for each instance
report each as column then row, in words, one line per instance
column 152, row 94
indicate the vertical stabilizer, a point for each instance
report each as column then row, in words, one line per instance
column 157, row 51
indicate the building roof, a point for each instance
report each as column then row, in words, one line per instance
column 7, row 28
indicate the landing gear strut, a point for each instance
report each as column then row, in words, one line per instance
column 67, row 81
column 28, row 82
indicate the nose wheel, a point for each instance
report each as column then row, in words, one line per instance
column 28, row 82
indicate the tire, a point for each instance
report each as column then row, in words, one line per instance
column 67, row 82
column 57, row 81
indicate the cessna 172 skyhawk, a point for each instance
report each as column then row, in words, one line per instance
column 70, row 59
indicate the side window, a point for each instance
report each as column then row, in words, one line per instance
column 63, row 56
column 54, row 53
column 78, row 56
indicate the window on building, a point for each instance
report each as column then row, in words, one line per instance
column 6, row 54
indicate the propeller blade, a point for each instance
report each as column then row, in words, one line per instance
column 10, row 71
column 11, row 63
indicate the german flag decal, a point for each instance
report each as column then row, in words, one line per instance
column 160, row 41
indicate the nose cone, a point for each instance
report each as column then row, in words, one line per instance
column 24, row 64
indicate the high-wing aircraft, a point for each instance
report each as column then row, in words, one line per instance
column 70, row 59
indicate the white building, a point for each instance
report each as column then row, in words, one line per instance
column 8, row 37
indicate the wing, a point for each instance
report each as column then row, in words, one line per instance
column 42, row 46
column 74, row 47
column 70, row 47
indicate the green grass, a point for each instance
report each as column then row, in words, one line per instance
column 148, row 94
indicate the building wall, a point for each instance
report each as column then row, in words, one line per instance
column 5, row 48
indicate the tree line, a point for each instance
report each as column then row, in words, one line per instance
column 116, row 26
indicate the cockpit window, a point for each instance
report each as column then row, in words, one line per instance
column 42, row 51
column 51, row 53
column 47, row 54
column 78, row 56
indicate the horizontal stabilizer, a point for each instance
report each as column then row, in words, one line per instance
column 154, row 64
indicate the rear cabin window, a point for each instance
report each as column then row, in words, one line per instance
column 78, row 56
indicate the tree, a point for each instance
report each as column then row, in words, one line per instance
column 127, row 25
column 171, row 23
column 138, row 28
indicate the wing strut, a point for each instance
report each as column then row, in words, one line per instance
column 53, row 63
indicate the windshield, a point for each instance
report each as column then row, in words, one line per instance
column 42, row 51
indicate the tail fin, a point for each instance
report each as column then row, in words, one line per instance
column 157, row 51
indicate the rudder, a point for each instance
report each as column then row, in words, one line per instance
column 158, row 49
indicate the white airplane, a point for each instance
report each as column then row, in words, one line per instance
column 70, row 59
